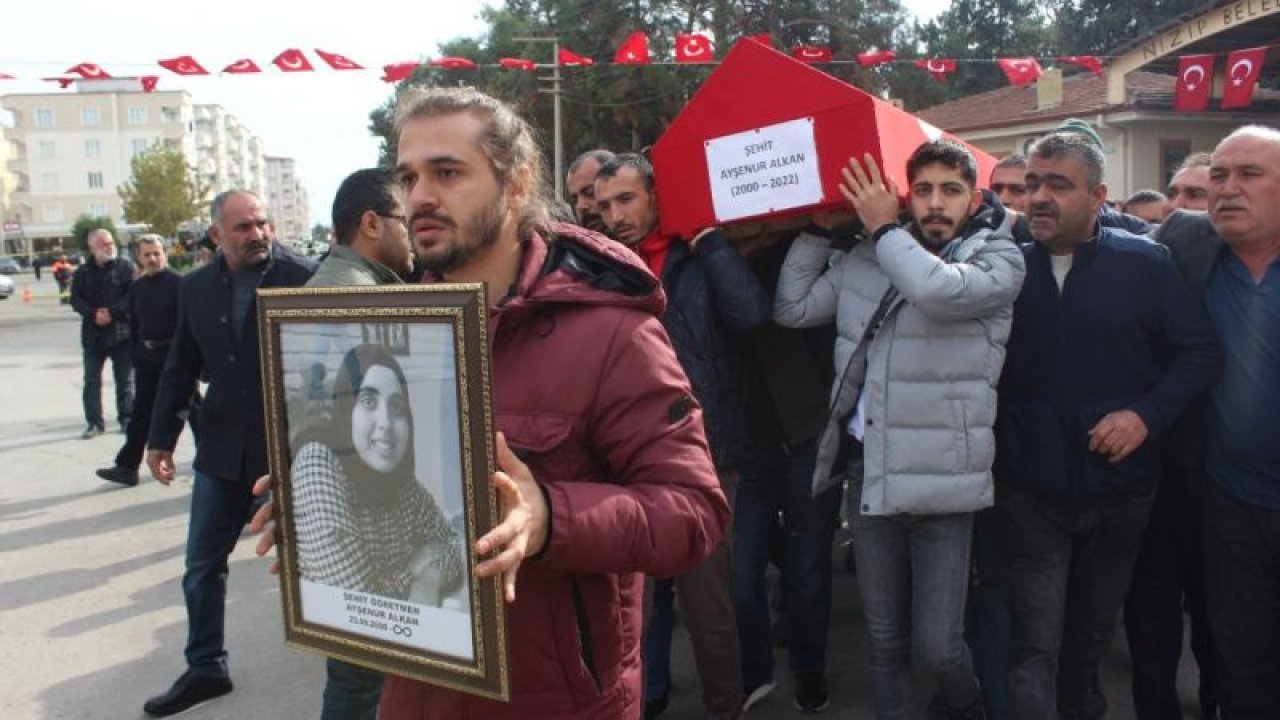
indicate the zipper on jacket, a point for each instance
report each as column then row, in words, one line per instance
column 584, row 633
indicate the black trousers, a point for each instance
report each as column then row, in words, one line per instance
column 147, row 366
column 1169, row 576
column 1242, row 582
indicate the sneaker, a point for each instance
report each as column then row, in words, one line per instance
column 119, row 475
column 756, row 694
column 91, row 431
column 811, row 693
column 187, row 692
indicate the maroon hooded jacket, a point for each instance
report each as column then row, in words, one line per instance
column 589, row 394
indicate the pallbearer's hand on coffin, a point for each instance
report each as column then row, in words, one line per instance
column 874, row 198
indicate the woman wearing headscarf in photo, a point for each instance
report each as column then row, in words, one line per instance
column 364, row 522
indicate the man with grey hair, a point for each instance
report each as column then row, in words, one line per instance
column 100, row 294
column 1092, row 381
column 1231, row 257
column 1150, row 205
column 216, row 339
column 580, row 183
column 1189, row 186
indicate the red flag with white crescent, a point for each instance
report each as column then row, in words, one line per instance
column 876, row 57
column 811, row 53
column 939, row 68
column 242, row 66
column 292, row 60
column 183, row 65
column 569, row 58
column 511, row 63
column 1195, row 79
column 634, row 50
column 693, row 48
column 1243, row 69
column 338, row 62
column 1092, row 63
column 396, row 72
column 149, row 82
column 88, row 71
column 1020, row 71
column 451, row 62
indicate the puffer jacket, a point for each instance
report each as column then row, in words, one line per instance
column 589, row 394
column 928, row 371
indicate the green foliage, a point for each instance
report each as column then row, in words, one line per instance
column 162, row 191
column 86, row 224
column 1090, row 27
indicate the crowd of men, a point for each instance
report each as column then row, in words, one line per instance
column 1042, row 412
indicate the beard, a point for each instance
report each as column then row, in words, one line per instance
column 471, row 238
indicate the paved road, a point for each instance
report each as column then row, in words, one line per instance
column 91, row 615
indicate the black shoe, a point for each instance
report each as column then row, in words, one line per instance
column 91, row 431
column 119, row 475
column 187, row 692
column 939, row 710
column 811, row 692
column 656, row 706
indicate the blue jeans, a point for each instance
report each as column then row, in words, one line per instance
column 772, row 482
column 350, row 692
column 913, row 574
column 219, row 510
column 121, row 369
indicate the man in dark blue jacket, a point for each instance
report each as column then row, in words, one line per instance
column 712, row 298
column 217, row 341
column 100, row 294
column 1108, row 348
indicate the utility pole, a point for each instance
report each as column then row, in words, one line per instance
column 554, row 91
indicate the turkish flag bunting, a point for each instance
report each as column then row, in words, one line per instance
column 338, row 62
column 87, row 70
column 149, row 82
column 693, row 48
column 1243, row 68
column 63, row 82
column 183, row 65
column 764, row 38
column 292, row 60
column 634, row 51
column 242, row 66
column 571, row 58
column 1195, row 79
column 395, row 72
column 1092, row 63
column 939, row 68
column 876, row 57
column 517, row 64
column 6, row 76
column 811, row 53
column 1020, row 71
column 451, row 62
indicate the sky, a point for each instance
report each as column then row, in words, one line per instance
column 320, row 119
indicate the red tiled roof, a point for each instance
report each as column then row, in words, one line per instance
column 1082, row 94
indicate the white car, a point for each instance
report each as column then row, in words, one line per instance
column 6, row 287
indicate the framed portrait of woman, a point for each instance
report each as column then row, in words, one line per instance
column 381, row 450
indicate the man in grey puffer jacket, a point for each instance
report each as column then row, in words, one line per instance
column 923, row 312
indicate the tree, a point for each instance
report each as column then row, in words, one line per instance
column 86, row 224
column 1097, row 27
column 163, row 191
column 985, row 30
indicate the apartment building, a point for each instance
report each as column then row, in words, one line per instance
column 287, row 201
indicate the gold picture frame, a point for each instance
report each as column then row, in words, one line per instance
column 380, row 436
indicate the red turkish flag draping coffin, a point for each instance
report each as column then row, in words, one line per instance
column 736, row 153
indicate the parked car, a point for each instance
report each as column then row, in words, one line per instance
column 6, row 287
column 9, row 266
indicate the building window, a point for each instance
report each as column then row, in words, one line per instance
column 49, row 183
column 44, row 117
column 92, row 148
column 140, row 145
column 90, row 117
column 169, row 114
column 95, row 180
column 137, row 116
column 98, row 209
column 51, row 213
column 48, row 150
column 1172, row 153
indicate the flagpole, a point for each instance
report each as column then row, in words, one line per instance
column 557, row 134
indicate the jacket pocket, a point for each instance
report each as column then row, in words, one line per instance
column 540, row 440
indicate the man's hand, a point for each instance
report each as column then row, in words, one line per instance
column 101, row 317
column 1118, row 434
column 160, row 463
column 875, row 199
column 523, row 530
column 264, row 522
